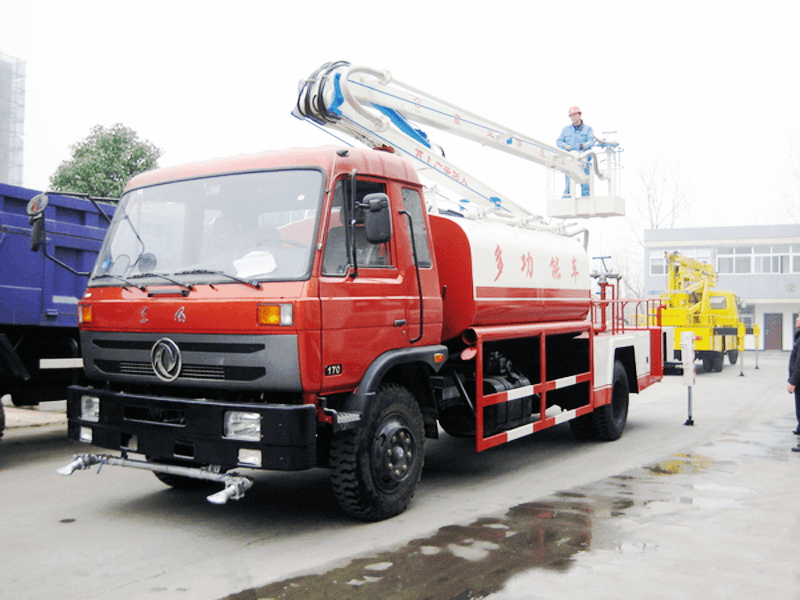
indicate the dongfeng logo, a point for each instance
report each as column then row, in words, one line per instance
column 166, row 359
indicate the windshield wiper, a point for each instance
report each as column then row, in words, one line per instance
column 127, row 283
column 249, row 282
column 189, row 287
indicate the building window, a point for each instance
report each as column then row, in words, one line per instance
column 658, row 261
column 737, row 259
column 658, row 265
column 794, row 251
column 771, row 259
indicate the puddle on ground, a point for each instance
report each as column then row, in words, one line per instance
column 464, row 562
column 680, row 463
column 458, row 561
column 472, row 561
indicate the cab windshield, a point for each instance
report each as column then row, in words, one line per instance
column 250, row 226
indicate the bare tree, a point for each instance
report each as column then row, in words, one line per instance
column 792, row 197
column 660, row 193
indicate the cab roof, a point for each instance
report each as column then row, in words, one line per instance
column 328, row 158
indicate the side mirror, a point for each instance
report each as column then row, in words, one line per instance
column 377, row 218
column 37, row 204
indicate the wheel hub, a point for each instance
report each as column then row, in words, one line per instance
column 393, row 453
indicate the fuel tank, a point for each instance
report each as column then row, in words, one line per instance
column 493, row 273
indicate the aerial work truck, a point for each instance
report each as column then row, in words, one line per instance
column 692, row 303
column 310, row 308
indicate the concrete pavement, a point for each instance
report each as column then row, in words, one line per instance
column 710, row 511
column 48, row 413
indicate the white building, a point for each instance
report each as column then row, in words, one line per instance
column 759, row 263
column 12, row 119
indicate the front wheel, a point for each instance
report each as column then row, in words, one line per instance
column 375, row 468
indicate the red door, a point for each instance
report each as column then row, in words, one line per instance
column 773, row 331
column 366, row 315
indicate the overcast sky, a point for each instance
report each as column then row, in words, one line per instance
column 710, row 87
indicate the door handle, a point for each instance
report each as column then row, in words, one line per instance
column 399, row 322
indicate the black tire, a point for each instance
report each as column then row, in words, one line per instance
column 719, row 360
column 375, row 468
column 733, row 356
column 708, row 363
column 23, row 397
column 582, row 428
column 609, row 420
column 2, row 419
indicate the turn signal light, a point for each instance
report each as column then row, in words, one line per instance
column 85, row 313
column 275, row 314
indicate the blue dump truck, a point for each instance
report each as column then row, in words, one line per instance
column 39, row 291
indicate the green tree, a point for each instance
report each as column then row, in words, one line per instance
column 105, row 161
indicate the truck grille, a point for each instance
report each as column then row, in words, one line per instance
column 202, row 372
column 243, row 362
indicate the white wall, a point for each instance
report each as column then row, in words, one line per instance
column 788, row 311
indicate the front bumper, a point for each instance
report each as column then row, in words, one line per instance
column 191, row 431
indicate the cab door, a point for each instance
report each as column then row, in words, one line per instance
column 364, row 291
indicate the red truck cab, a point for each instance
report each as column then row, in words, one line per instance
column 237, row 305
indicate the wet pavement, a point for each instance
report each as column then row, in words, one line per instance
column 720, row 522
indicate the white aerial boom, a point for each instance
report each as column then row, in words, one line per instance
column 372, row 107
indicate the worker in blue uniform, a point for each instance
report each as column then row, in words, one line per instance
column 578, row 136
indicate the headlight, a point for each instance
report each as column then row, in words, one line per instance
column 242, row 426
column 90, row 408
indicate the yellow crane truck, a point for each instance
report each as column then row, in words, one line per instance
column 693, row 303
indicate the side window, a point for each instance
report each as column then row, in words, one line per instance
column 718, row 303
column 412, row 202
column 339, row 241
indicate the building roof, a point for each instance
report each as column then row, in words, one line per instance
column 703, row 236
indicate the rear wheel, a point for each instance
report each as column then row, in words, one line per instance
column 733, row 356
column 609, row 420
column 376, row 467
